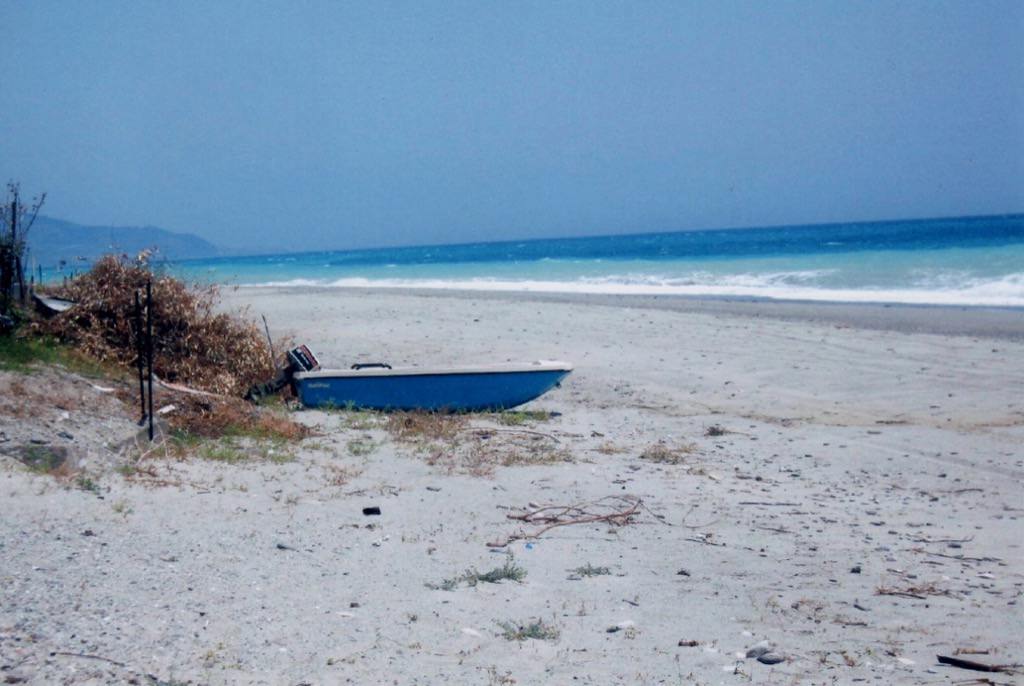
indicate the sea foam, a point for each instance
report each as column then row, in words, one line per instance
column 1007, row 291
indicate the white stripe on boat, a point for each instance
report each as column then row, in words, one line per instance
column 540, row 366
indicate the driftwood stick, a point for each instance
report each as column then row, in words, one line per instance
column 553, row 516
column 482, row 432
column 903, row 594
column 961, row 558
column 539, row 516
column 705, row 541
column 758, row 502
column 943, row 540
column 91, row 657
column 972, row 664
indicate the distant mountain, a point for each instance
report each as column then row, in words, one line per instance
column 52, row 240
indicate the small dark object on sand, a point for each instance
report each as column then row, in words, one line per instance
column 855, row 569
column 683, row 643
column 371, row 511
column 971, row 664
column 770, row 658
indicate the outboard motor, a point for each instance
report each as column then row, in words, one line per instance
column 300, row 359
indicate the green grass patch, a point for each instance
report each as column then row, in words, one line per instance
column 24, row 353
column 222, row 450
column 352, row 417
column 231, row 449
column 521, row 417
column 537, row 629
column 182, row 441
column 509, row 571
column 127, row 470
column 359, row 447
column 87, row 484
column 363, row 420
column 42, row 459
column 590, row 570
column 21, row 354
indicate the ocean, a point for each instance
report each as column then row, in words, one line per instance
column 970, row 261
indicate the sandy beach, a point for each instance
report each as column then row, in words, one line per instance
column 843, row 483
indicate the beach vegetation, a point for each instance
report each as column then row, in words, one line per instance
column 449, row 441
column 359, row 447
column 43, row 459
column 521, row 417
column 19, row 354
column 222, row 450
column 919, row 591
column 509, row 571
column 536, row 629
column 208, row 416
column 338, row 476
column 216, row 355
column 665, row 453
column 590, row 570
column 86, row 483
column 194, row 343
column 537, row 453
column 26, row 353
column 496, row 678
column 362, row 420
column 421, row 428
column 127, row 470
column 478, row 456
column 231, row 448
column 610, row 448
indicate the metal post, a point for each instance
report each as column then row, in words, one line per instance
column 149, row 343
column 140, row 358
column 13, row 265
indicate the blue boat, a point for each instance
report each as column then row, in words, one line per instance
column 465, row 389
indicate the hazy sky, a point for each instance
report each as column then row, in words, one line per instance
column 275, row 125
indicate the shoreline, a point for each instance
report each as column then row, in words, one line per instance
column 1000, row 323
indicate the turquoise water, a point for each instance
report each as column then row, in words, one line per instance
column 965, row 261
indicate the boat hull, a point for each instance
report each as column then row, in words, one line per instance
column 449, row 390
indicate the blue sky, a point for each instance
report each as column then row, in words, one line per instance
column 306, row 124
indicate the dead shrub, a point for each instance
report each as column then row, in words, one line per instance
column 193, row 344
column 216, row 417
column 609, row 448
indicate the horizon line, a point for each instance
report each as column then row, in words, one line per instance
column 412, row 246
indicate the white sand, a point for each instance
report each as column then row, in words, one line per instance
column 869, row 448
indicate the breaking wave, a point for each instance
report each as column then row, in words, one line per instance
column 1004, row 291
